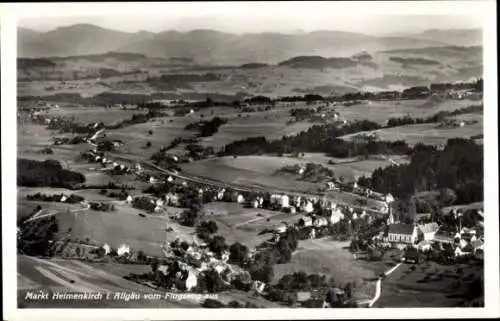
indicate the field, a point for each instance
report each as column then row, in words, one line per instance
column 324, row 256
column 238, row 224
column 62, row 275
column 90, row 114
column 447, row 285
column 261, row 170
column 425, row 133
column 380, row 111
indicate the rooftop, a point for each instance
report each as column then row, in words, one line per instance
column 401, row 229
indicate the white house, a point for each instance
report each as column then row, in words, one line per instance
column 336, row 216
column 191, row 281
column 425, row 245
column 152, row 180
column 123, row 249
column 258, row 286
column 402, row 233
column 63, row 198
column 389, row 198
column 129, row 199
column 428, row 231
column 254, row 203
column 106, row 248
column 240, row 199
column 280, row 228
column 308, row 208
column 284, row 201
column 320, row 221
column 306, row 221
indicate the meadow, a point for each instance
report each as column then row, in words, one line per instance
column 425, row 133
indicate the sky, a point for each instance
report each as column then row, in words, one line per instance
column 250, row 17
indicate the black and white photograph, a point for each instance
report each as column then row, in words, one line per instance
column 282, row 156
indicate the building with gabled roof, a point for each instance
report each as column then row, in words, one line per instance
column 402, row 233
column 428, row 231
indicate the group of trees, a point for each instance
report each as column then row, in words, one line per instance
column 459, row 166
column 438, row 117
column 72, row 199
column 36, row 237
column 287, row 287
column 319, row 139
column 207, row 128
column 50, row 173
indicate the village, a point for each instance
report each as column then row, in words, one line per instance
column 271, row 179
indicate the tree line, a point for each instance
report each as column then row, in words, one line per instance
column 459, row 166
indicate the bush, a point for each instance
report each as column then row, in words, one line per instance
column 213, row 304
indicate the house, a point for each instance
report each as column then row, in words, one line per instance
column 402, row 233
column 191, row 280
column 312, row 234
column 425, row 245
column 389, row 198
column 477, row 245
column 308, row 207
column 63, row 198
column 428, row 231
column 306, row 221
column 240, row 199
column 106, row 248
column 336, row 216
column 284, row 201
column 280, row 228
column 419, row 217
column 258, row 286
column 123, row 249
column 129, row 199
column 320, row 221
column 466, row 251
column 444, row 237
column 254, row 203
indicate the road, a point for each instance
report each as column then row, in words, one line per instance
column 52, row 213
column 378, row 289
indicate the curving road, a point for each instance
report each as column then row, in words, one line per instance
column 378, row 289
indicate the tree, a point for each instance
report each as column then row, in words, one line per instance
column 150, row 132
column 213, row 281
column 148, row 144
column 217, row 245
column 238, row 253
column 285, row 253
column 264, row 274
column 154, row 265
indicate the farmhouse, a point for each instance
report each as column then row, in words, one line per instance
column 305, row 221
column 444, row 237
column 123, row 249
column 428, row 231
column 308, row 207
column 402, row 233
column 320, row 221
column 336, row 216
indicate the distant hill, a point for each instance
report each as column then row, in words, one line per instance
column 457, row 37
column 317, row 62
column 414, row 61
column 25, row 63
column 208, row 46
